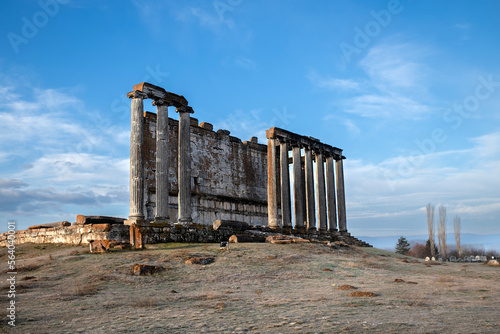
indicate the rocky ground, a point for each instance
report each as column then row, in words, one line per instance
column 253, row 287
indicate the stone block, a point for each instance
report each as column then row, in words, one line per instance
column 193, row 121
column 86, row 220
column 101, row 227
column 230, row 224
column 206, row 125
column 49, row 225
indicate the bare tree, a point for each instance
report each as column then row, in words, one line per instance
column 442, row 231
column 430, row 226
column 456, row 228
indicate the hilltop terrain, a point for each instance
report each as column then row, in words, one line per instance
column 253, row 287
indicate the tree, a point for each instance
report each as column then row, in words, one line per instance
column 402, row 247
column 429, row 251
column 430, row 227
column 419, row 251
column 456, row 228
column 442, row 231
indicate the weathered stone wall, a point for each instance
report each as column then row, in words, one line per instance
column 228, row 176
column 73, row 235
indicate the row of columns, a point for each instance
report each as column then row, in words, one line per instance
column 328, row 200
column 137, row 215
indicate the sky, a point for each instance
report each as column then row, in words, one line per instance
column 410, row 90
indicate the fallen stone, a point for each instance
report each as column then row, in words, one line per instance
column 410, row 282
column 230, row 224
column 346, row 287
column 279, row 239
column 102, row 246
column 200, row 260
column 145, row 269
column 326, row 269
column 86, row 220
column 300, row 240
column 238, row 238
column 399, row 280
column 362, row 294
column 50, row 225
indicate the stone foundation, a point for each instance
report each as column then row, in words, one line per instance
column 83, row 234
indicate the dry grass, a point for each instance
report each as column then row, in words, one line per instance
column 261, row 288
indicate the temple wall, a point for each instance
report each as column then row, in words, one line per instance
column 228, row 176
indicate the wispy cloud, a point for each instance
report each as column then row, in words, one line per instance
column 332, row 83
column 470, row 189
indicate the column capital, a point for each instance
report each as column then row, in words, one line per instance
column 137, row 94
column 183, row 109
column 160, row 102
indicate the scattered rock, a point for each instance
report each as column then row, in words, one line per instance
column 346, row 287
column 238, row 238
column 399, row 280
column 326, row 269
column 102, row 246
column 271, row 257
column 173, row 291
column 410, row 282
column 145, row 269
column 300, row 240
column 405, row 260
column 200, row 260
column 279, row 239
column 362, row 294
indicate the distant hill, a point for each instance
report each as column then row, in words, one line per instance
column 488, row 242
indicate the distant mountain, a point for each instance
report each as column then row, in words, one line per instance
column 488, row 242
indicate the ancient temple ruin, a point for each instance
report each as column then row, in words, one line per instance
column 184, row 172
column 184, row 176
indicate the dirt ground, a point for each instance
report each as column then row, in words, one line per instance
column 260, row 288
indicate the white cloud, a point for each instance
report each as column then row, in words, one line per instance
column 382, row 190
column 331, row 83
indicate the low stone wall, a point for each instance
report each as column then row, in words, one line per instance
column 73, row 235
column 91, row 228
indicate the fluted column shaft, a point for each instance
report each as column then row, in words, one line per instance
column 298, row 188
column 272, row 186
column 320, row 192
column 286, row 216
column 330, row 190
column 184, row 165
column 311, row 214
column 341, row 195
column 136, row 157
column 161, row 160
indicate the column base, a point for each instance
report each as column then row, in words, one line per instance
column 161, row 221
column 185, row 221
column 134, row 221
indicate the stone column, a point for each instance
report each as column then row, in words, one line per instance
column 286, row 216
column 272, row 186
column 161, row 161
column 298, row 189
column 320, row 193
column 330, row 190
column 311, row 214
column 184, row 165
column 341, row 195
column 136, row 158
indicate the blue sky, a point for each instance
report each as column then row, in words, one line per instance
column 409, row 90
